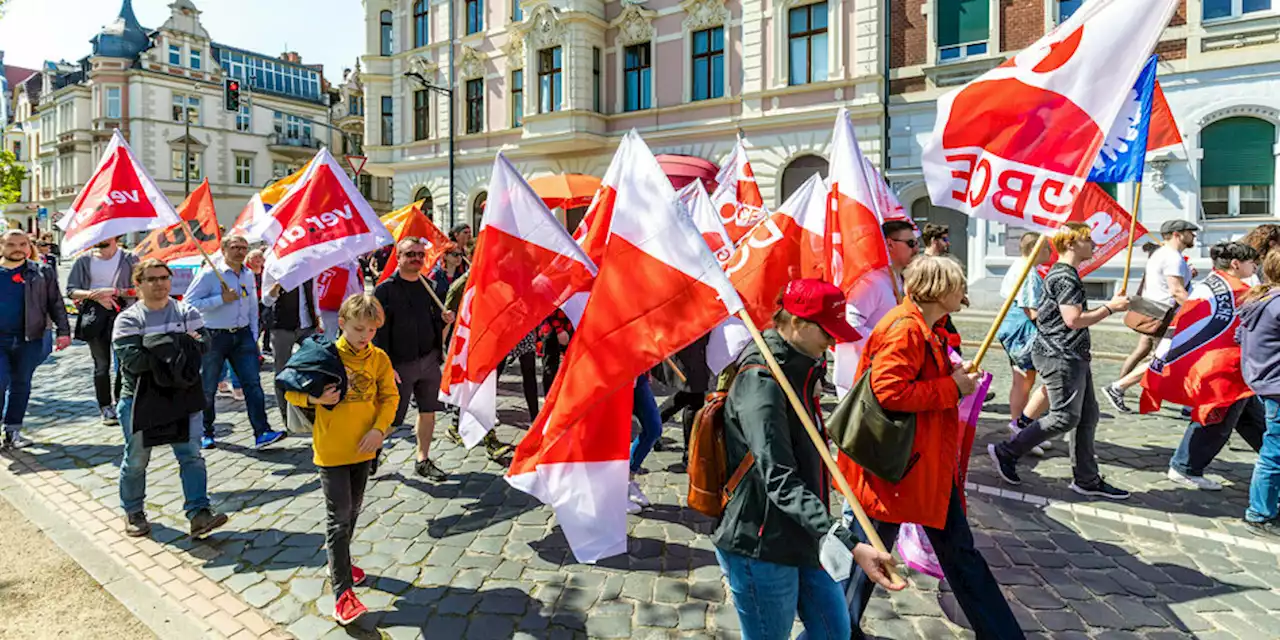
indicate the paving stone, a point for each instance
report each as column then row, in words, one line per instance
column 307, row 589
column 693, row 616
column 670, row 591
column 1058, row 621
column 259, row 595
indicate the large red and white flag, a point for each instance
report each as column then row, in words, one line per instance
column 737, row 196
column 659, row 288
column 322, row 222
column 1016, row 145
column 783, row 247
column 854, row 242
column 119, row 198
column 199, row 225
column 1109, row 227
column 524, row 266
column 698, row 205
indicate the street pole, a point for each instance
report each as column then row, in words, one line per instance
column 453, row 83
column 186, row 148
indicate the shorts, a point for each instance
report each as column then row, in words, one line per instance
column 421, row 378
column 1022, row 362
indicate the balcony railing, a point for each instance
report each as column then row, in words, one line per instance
column 282, row 140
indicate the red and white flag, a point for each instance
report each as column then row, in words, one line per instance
column 252, row 216
column 887, row 205
column 854, row 242
column 783, row 247
column 1016, row 145
column 1109, row 226
column 323, row 221
column 659, row 288
column 698, row 205
column 524, row 266
column 737, row 196
column 119, row 198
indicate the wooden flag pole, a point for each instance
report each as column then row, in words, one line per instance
column 823, row 448
column 676, row 370
column 423, row 280
column 1133, row 230
column 1008, row 302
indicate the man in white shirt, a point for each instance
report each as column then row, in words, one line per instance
column 1167, row 280
column 872, row 297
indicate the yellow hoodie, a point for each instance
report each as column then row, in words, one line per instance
column 370, row 403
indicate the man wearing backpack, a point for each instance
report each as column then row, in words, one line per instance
column 768, row 536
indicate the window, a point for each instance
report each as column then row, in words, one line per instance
column 475, row 105
column 279, row 170
column 195, row 58
column 517, row 97
column 799, row 171
column 192, row 104
column 113, row 102
column 1067, row 8
column 272, row 76
column 244, row 170
column 175, row 55
column 357, row 144
column 193, row 165
column 549, row 83
column 1214, row 9
column 421, row 127
column 1237, row 173
column 355, row 105
column 475, row 16
column 595, row 80
column 517, row 13
column 384, row 36
column 637, row 91
column 708, row 64
column 477, row 209
column 421, row 24
column 807, row 38
column 388, row 122
column 963, row 28
column 243, row 121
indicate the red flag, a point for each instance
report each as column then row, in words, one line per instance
column 199, row 223
column 658, row 290
column 1198, row 363
column 737, row 195
column 322, row 221
column 525, row 265
column 698, row 205
column 119, row 198
column 1163, row 131
column 410, row 222
column 854, row 242
column 337, row 284
column 1109, row 226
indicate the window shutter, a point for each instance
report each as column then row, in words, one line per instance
column 1238, row 151
column 961, row 21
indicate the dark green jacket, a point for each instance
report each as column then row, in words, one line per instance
column 778, row 513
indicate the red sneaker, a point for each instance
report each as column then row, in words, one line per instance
column 357, row 576
column 348, row 609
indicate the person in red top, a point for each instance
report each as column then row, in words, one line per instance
column 911, row 373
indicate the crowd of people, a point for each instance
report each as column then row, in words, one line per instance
column 350, row 365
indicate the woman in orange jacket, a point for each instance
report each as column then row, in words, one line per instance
column 911, row 373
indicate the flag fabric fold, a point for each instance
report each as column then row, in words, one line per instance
column 1124, row 152
column 659, row 288
column 524, row 266
column 698, row 205
column 854, row 244
column 410, row 222
column 199, row 225
column 120, row 197
column 737, row 197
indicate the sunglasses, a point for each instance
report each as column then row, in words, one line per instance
column 415, row 254
column 910, row 243
column 156, row 279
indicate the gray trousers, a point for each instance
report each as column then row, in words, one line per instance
column 282, row 343
column 1073, row 406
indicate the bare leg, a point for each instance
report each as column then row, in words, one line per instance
column 1133, row 378
column 1140, row 352
column 1038, row 404
column 425, row 430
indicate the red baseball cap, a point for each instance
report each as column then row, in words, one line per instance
column 821, row 303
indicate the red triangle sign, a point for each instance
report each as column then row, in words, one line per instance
column 356, row 163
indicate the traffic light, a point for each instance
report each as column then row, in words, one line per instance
column 231, row 94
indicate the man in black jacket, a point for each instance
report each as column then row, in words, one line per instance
column 411, row 336
column 29, row 301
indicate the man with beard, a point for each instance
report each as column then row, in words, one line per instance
column 100, row 285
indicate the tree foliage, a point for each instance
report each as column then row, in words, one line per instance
column 11, row 176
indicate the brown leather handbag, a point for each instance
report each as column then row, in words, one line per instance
column 1149, row 317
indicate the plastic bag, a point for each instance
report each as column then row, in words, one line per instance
column 915, row 550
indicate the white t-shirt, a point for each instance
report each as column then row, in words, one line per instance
column 102, row 273
column 1166, row 262
column 1032, row 288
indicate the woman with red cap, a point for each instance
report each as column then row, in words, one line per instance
column 768, row 538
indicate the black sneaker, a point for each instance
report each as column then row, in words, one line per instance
column 454, row 434
column 1008, row 469
column 428, row 469
column 205, row 521
column 1116, row 397
column 1269, row 528
column 1100, row 490
column 136, row 525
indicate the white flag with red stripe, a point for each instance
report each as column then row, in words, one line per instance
column 322, row 222
column 524, row 266
column 698, row 205
column 119, row 198
column 659, row 288
column 1016, row 145
column 854, row 242
column 252, row 218
column 737, row 196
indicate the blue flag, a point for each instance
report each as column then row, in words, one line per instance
column 1124, row 151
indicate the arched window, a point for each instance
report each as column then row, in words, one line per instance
column 1238, row 168
column 421, row 24
column 477, row 211
column 424, row 195
column 384, row 37
column 923, row 211
column 798, row 171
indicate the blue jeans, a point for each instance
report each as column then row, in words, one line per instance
column 133, row 466
column 768, row 596
column 1264, row 490
column 645, row 408
column 240, row 350
column 18, row 360
column 235, row 379
column 1202, row 443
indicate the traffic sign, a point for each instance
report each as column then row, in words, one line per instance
column 356, row 163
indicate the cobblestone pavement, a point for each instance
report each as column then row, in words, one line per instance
column 473, row 558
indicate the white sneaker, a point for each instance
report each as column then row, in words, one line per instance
column 634, row 494
column 1198, row 482
column 1038, row 450
column 633, row 508
column 16, row 440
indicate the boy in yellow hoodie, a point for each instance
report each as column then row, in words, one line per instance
column 347, row 433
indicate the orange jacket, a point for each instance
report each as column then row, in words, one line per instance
column 910, row 372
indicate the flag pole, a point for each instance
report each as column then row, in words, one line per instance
column 207, row 259
column 676, row 370
column 823, row 448
column 1133, row 230
column 1008, row 302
